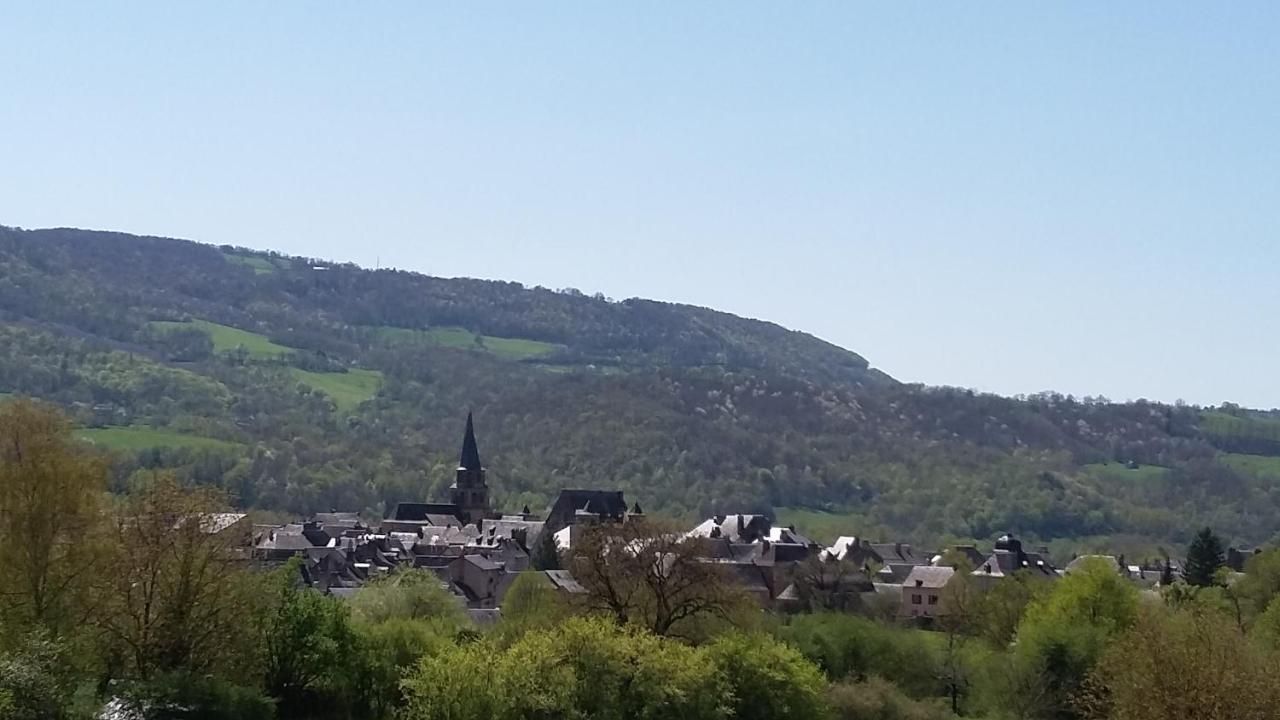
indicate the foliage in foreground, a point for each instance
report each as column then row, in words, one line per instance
column 596, row 668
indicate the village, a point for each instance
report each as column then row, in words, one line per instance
column 478, row 553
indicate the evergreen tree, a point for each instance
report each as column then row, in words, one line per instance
column 1204, row 557
column 546, row 554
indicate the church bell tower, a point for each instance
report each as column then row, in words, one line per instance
column 469, row 491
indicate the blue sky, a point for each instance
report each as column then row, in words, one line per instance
column 1080, row 197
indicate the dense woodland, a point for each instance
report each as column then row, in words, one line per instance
column 296, row 385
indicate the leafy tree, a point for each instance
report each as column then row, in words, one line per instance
column 848, row 647
column 531, row 603
column 583, row 668
column 34, row 680
column 1002, row 606
column 1260, row 584
column 1182, row 664
column 767, row 679
column 308, row 647
column 172, row 597
column 50, row 505
column 1060, row 639
column 407, row 594
column 1205, row 557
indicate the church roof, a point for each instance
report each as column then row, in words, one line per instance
column 470, row 459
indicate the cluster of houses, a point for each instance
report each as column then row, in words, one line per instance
column 478, row 554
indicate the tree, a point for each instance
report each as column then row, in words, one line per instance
column 767, row 679
column 546, row 553
column 957, row 619
column 582, row 668
column 308, row 647
column 1204, row 557
column 1060, row 639
column 829, row 584
column 173, row 598
column 531, row 603
column 50, row 512
column 1182, row 664
column 1003, row 605
column 640, row 572
column 407, row 594
column 34, row 682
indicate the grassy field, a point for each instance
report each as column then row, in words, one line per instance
column 227, row 339
column 141, row 437
column 347, row 390
column 1219, row 423
column 1261, row 466
column 463, row 339
column 1119, row 472
column 825, row 527
column 261, row 266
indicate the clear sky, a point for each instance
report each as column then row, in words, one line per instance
column 1080, row 196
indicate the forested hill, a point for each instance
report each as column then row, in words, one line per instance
column 302, row 385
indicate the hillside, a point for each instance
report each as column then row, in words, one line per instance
column 301, row 385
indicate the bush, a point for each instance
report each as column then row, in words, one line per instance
column 33, row 682
column 848, row 647
column 877, row 699
column 767, row 679
column 182, row 697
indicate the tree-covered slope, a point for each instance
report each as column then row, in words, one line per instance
column 324, row 385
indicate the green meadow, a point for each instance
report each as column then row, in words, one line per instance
column 260, row 266
column 226, row 338
column 141, row 437
column 1259, row 466
column 824, row 527
column 347, row 390
column 463, row 339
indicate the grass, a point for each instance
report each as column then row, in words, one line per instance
column 825, row 527
column 1220, row 423
column 463, row 339
column 1261, row 466
column 347, row 390
column 227, row 339
column 260, row 266
column 141, row 437
column 1119, row 472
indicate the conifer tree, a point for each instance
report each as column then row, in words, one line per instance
column 546, row 554
column 1204, row 557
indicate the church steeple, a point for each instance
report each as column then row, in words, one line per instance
column 469, row 491
column 470, row 459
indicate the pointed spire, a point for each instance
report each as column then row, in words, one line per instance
column 470, row 459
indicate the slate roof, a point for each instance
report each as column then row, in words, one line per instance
column 734, row 528
column 562, row 580
column 929, row 577
column 608, row 503
column 434, row 513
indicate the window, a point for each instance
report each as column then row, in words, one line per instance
column 933, row 599
column 915, row 599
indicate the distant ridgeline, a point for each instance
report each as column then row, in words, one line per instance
column 300, row 385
